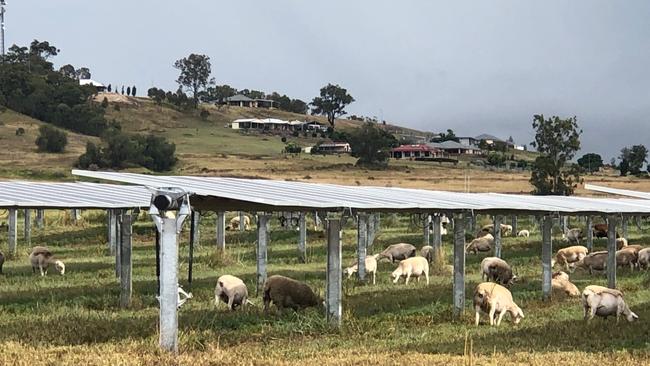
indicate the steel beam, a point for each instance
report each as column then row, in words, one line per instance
column 547, row 250
column 459, row 266
column 334, row 274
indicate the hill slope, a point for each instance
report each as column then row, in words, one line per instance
column 19, row 156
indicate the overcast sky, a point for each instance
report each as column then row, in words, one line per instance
column 473, row 66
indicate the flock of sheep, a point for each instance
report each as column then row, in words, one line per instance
column 495, row 299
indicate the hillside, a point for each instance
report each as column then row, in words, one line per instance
column 19, row 157
column 211, row 148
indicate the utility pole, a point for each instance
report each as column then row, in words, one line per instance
column 2, row 28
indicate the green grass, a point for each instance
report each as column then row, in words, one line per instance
column 76, row 317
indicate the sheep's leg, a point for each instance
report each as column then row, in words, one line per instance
column 408, row 275
column 231, row 301
column 477, row 315
column 244, row 303
column 585, row 311
column 493, row 310
column 426, row 274
column 501, row 314
column 592, row 314
column 374, row 277
column 41, row 268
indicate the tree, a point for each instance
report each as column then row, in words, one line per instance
column 133, row 91
column 590, row 162
column 51, row 139
column 122, row 89
column 332, row 102
column 109, row 88
column 68, row 71
column 128, row 90
column 104, row 103
column 372, row 144
column 217, row 93
column 157, row 95
column 195, row 74
column 448, row 136
column 83, row 73
column 557, row 140
column 633, row 159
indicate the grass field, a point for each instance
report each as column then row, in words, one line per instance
column 75, row 319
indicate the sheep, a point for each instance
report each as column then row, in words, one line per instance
column 232, row 291
column 621, row 243
column 398, row 251
column 573, row 235
column 603, row 301
column 644, row 258
column 493, row 299
column 41, row 258
column 569, row 255
column 625, row 257
column 600, row 231
column 560, row 284
column 2, row 262
column 234, row 223
column 415, row 266
column 371, row 267
column 506, row 230
column 496, row 269
column 286, row 292
column 427, row 252
column 593, row 261
column 523, row 233
column 482, row 244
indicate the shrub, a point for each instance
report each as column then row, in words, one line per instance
column 116, row 107
column 204, row 114
column 292, row 148
column 20, row 131
column 104, row 103
column 51, row 139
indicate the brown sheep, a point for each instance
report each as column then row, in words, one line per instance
column 41, row 258
column 286, row 292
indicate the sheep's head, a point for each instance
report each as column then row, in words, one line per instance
column 517, row 314
column 350, row 271
column 396, row 274
column 630, row 316
column 60, row 267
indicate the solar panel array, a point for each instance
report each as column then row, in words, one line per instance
column 22, row 194
column 336, row 197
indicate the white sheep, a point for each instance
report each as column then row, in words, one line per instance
column 414, row 266
column 493, row 299
column 371, row 267
column 603, row 301
column 41, row 258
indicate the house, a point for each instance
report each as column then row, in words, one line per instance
column 98, row 86
column 267, row 124
column 241, row 100
column 415, row 151
column 331, row 148
column 469, row 141
column 455, row 148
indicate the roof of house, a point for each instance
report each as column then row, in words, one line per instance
column 239, row 98
column 487, row 136
column 445, row 145
column 90, row 82
column 417, row 147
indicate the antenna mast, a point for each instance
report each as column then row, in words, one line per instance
column 2, row 28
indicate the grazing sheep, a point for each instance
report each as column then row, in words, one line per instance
column 603, row 301
column 621, row 243
column 2, row 262
column 593, row 261
column 569, row 255
column 573, row 235
column 41, row 258
column 523, row 233
column 644, row 258
column 600, row 231
column 427, row 252
column 625, row 257
column 496, row 269
column 506, row 230
column 234, row 223
column 561, row 285
column 415, row 266
column 371, row 267
column 492, row 299
column 398, row 252
column 232, row 291
column 286, row 292
column 482, row 244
